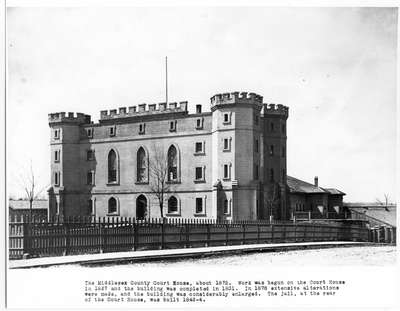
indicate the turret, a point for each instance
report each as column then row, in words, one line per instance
column 236, row 98
column 236, row 153
column 275, row 159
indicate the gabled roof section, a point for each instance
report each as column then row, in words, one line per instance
column 300, row 186
column 334, row 191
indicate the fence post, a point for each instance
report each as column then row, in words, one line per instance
column 243, row 234
column 100, row 234
column 187, row 235
column 378, row 233
column 272, row 233
column 258, row 233
column 226, row 233
column 392, row 233
column 135, row 235
column 66, row 226
column 208, row 235
column 162, row 233
column 26, row 238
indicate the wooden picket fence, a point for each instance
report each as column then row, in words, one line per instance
column 85, row 235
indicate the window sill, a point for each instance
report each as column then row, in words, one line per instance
column 141, row 183
column 199, row 153
column 199, row 181
column 226, row 178
column 226, row 122
column 199, row 127
column 175, row 214
column 113, row 183
column 226, row 150
column 173, row 182
column 172, row 130
column 112, row 214
column 142, row 133
column 202, row 214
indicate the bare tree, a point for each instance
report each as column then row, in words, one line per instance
column 272, row 198
column 158, row 171
column 30, row 187
column 385, row 202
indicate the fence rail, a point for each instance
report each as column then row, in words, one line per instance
column 39, row 238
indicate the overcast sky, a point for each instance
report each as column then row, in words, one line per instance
column 334, row 67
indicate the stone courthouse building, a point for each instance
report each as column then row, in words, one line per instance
column 229, row 163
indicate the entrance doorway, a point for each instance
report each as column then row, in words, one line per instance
column 141, row 206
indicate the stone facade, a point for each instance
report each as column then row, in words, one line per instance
column 229, row 163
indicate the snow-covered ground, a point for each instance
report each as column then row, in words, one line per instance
column 359, row 256
column 375, row 256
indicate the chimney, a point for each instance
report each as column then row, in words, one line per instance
column 316, row 181
column 198, row 108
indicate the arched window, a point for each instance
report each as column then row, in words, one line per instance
column 172, row 205
column 112, row 167
column 112, row 206
column 141, row 165
column 172, row 164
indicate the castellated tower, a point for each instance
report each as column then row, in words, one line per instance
column 274, row 161
column 66, row 169
column 236, row 153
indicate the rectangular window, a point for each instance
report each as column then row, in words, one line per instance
column 271, row 175
column 90, row 178
column 57, row 156
column 272, row 127
column 198, row 108
column 227, row 144
column 255, row 171
column 271, row 150
column 226, row 207
column 199, row 173
column 89, row 132
column 256, row 120
column 226, row 171
column 172, row 126
column 90, row 207
column 283, row 152
column 256, row 145
column 111, row 131
column 199, row 123
column 57, row 134
column 226, row 118
column 199, row 147
column 199, row 206
column 90, row 155
column 57, row 178
column 142, row 128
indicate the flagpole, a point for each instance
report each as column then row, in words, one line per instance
column 166, row 80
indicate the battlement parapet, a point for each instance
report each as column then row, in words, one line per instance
column 273, row 109
column 69, row 117
column 236, row 98
column 143, row 109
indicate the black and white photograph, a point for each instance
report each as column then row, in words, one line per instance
column 217, row 155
